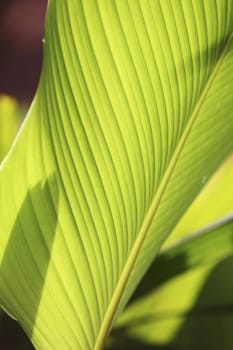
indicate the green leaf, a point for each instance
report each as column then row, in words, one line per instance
column 188, row 281
column 133, row 110
column 211, row 244
column 213, row 202
column 169, row 305
column 10, row 114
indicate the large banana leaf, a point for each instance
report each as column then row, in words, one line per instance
column 133, row 113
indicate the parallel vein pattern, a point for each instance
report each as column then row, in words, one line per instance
column 134, row 108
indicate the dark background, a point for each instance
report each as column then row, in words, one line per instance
column 21, row 33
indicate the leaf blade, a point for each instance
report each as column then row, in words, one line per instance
column 109, row 143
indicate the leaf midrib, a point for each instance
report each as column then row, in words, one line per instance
column 149, row 217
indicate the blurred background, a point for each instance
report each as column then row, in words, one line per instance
column 21, row 34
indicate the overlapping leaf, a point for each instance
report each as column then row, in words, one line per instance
column 186, row 292
column 133, row 110
column 213, row 203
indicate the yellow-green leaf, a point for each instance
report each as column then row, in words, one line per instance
column 133, row 109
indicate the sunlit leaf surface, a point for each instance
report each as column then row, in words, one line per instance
column 214, row 202
column 133, row 109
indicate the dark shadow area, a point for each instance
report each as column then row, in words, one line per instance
column 209, row 324
column 12, row 336
column 162, row 269
column 26, row 259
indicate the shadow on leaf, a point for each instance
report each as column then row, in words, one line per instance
column 26, row 259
